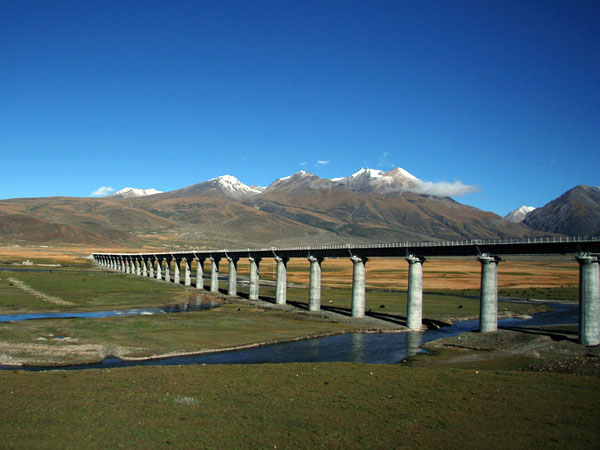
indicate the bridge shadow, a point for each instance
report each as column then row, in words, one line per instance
column 431, row 324
column 554, row 334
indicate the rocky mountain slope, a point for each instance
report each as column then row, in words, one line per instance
column 576, row 212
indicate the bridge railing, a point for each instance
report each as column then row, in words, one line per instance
column 382, row 245
column 413, row 244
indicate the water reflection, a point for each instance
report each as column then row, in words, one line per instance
column 198, row 304
column 413, row 342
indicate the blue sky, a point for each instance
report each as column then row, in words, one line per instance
column 504, row 95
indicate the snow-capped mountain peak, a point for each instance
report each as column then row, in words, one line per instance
column 378, row 181
column 234, row 188
column 130, row 192
column 518, row 215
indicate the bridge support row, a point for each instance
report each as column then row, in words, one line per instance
column 589, row 287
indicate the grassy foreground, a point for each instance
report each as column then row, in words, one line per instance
column 337, row 405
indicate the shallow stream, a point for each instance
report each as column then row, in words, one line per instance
column 377, row 348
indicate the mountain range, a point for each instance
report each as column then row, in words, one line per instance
column 369, row 205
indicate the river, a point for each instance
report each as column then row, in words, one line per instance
column 372, row 348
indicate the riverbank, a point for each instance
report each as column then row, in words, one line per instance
column 551, row 348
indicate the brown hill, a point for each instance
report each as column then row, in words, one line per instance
column 75, row 221
column 575, row 213
column 397, row 217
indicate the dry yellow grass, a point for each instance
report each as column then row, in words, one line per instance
column 384, row 273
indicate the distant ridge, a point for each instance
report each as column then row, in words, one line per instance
column 518, row 215
column 130, row 192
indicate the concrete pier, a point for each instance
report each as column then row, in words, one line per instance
column 177, row 273
column 254, row 278
column 314, row 290
column 589, row 300
column 187, row 276
column 281, row 282
column 158, row 268
column 144, row 268
column 488, row 313
column 167, row 274
column 414, row 308
column 232, row 276
column 214, row 274
column 358, row 286
column 151, row 267
column 138, row 268
column 200, row 273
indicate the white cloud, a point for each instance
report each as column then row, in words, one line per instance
column 382, row 161
column 102, row 191
column 304, row 163
column 444, row 189
column 323, row 163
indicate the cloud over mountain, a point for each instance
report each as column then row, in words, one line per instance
column 444, row 189
column 102, row 191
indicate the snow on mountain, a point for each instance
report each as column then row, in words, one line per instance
column 380, row 182
column 300, row 181
column 364, row 181
column 234, row 188
column 130, row 192
column 518, row 215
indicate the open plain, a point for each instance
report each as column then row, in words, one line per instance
column 423, row 402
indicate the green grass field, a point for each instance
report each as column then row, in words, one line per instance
column 335, row 405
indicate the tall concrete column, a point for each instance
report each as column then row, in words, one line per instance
column 488, row 315
column 199, row 273
column 214, row 274
column 144, row 267
column 414, row 308
column 151, row 267
column 127, row 265
column 589, row 300
column 177, row 273
column 281, row 281
column 314, row 289
column 158, row 268
column 358, row 286
column 167, row 274
column 138, row 269
column 254, row 277
column 232, row 276
column 187, row 277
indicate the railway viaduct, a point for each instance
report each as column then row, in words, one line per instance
column 585, row 250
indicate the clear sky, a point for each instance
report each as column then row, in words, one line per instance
column 504, row 95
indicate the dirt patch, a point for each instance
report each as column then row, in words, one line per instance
column 548, row 349
column 47, row 298
column 57, row 352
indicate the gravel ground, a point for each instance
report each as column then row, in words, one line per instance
column 548, row 349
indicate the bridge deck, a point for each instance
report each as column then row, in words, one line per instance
column 521, row 246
